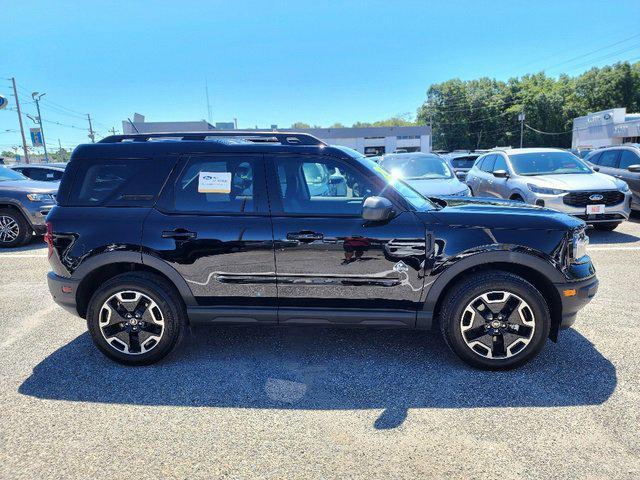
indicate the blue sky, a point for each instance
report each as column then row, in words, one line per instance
column 279, row 62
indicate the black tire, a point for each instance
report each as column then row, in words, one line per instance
column 606, row 227
column 24, row 229
column 517, row 198
column 461, row 295
column 167, row 300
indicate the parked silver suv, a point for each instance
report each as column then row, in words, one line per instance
column 552, row 178
column 24, row 204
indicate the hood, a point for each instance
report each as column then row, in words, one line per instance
column 575, row 181
column 29, row 186
column 490, row 213
column 437, row 187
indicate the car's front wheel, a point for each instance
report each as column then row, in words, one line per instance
column 136, row 318
column 495, row 320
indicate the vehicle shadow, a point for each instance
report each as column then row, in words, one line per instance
column 35, row 244
column 597, row 237
column 316, row 368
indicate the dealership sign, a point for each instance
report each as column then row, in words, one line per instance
column 36, row 137
column 3, row 102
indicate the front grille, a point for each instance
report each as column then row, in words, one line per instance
column 581, row 199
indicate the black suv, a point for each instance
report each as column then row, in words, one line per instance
column 154, row 233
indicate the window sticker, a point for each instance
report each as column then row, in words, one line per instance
column 214, row 182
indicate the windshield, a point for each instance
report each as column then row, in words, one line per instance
column 8, row 174
column 464, row 162
column 547, row 163
column 409, row 194
column 419, row 166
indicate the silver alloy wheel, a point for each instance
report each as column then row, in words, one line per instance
column 131, row 322
column 497, row 324
column 9, row 229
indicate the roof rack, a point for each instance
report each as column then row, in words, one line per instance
column 284, row 138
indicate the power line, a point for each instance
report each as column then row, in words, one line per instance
column 591, row 52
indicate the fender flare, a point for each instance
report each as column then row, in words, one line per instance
column 15, row 203
column 106, row 258
column 436, row 289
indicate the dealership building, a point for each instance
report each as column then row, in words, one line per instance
column 606, row 128
column 366, row 140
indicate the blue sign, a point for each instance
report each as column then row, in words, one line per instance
column 36, row 137
column 3, row 102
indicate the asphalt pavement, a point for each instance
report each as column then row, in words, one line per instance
column 268, row 402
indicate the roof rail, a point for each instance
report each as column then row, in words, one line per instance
column 284, row 138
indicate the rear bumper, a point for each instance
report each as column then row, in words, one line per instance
column 585, row 290
column 63, row 290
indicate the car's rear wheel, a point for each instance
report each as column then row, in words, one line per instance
column 495, row 321
column 606, row 227
column 14, row 229
column 136, row 318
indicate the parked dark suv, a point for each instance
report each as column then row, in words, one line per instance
column 153, row 234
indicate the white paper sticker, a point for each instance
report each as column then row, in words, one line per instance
column 214, row 182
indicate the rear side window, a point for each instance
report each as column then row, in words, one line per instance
column 608, row 158
column 487, row 163
column 217, row 184
column 118, row 182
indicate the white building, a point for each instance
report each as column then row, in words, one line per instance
column 366, row 140
column 605, row 128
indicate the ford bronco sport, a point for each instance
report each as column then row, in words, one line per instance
column 155, row 233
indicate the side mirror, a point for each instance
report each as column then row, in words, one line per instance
column 634, row 168
column 377, row 209
column 501, row 174
column 596, row 169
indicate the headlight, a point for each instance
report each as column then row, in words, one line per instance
column 579, row 245
column 40, row 197
column 544, row 190
column 623, row 186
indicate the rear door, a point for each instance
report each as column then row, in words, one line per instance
column 485, row 177
column 332, row 266
column 608, row 161
column 212, row 225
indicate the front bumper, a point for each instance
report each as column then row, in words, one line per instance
column 63, row 290
column 36, row 213
column 614, row 213
column 572, row 303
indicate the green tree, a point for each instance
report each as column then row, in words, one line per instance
column 298, row 125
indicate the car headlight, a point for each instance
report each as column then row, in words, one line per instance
column 623, row 186
column 579, row 244
column 545, row 190
column 40, row 197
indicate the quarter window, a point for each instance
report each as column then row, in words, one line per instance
column 321, row 186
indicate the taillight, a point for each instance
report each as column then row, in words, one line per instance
column 48, row 238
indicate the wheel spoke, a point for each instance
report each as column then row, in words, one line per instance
column 497, row 347
column 118, row 307
column 141, row 306
column 113, row 329
column 152, row 328
column 475, row 333
column 134, row 342
column 510, row 305
column 520, row 330
column 481, row 307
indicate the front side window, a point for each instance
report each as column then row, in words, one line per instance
column 628, row 158
column 488, row 163
column 500, row 164
column 321, row 186
column 547, row 163
column 215, row 184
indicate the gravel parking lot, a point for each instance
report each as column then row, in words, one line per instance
column 267, row 402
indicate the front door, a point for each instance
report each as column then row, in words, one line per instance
column 212, row 225
column 627, row 159
column 332, row 266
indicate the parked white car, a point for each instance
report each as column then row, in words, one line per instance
column 552, row 178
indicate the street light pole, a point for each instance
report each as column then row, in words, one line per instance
column 36, row 97
column 521, row 118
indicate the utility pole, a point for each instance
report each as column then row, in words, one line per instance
column 92, row 134
column 113, row 131
column 521, row 118
column 64, row 159
column 24, row 140
column 36, row 97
